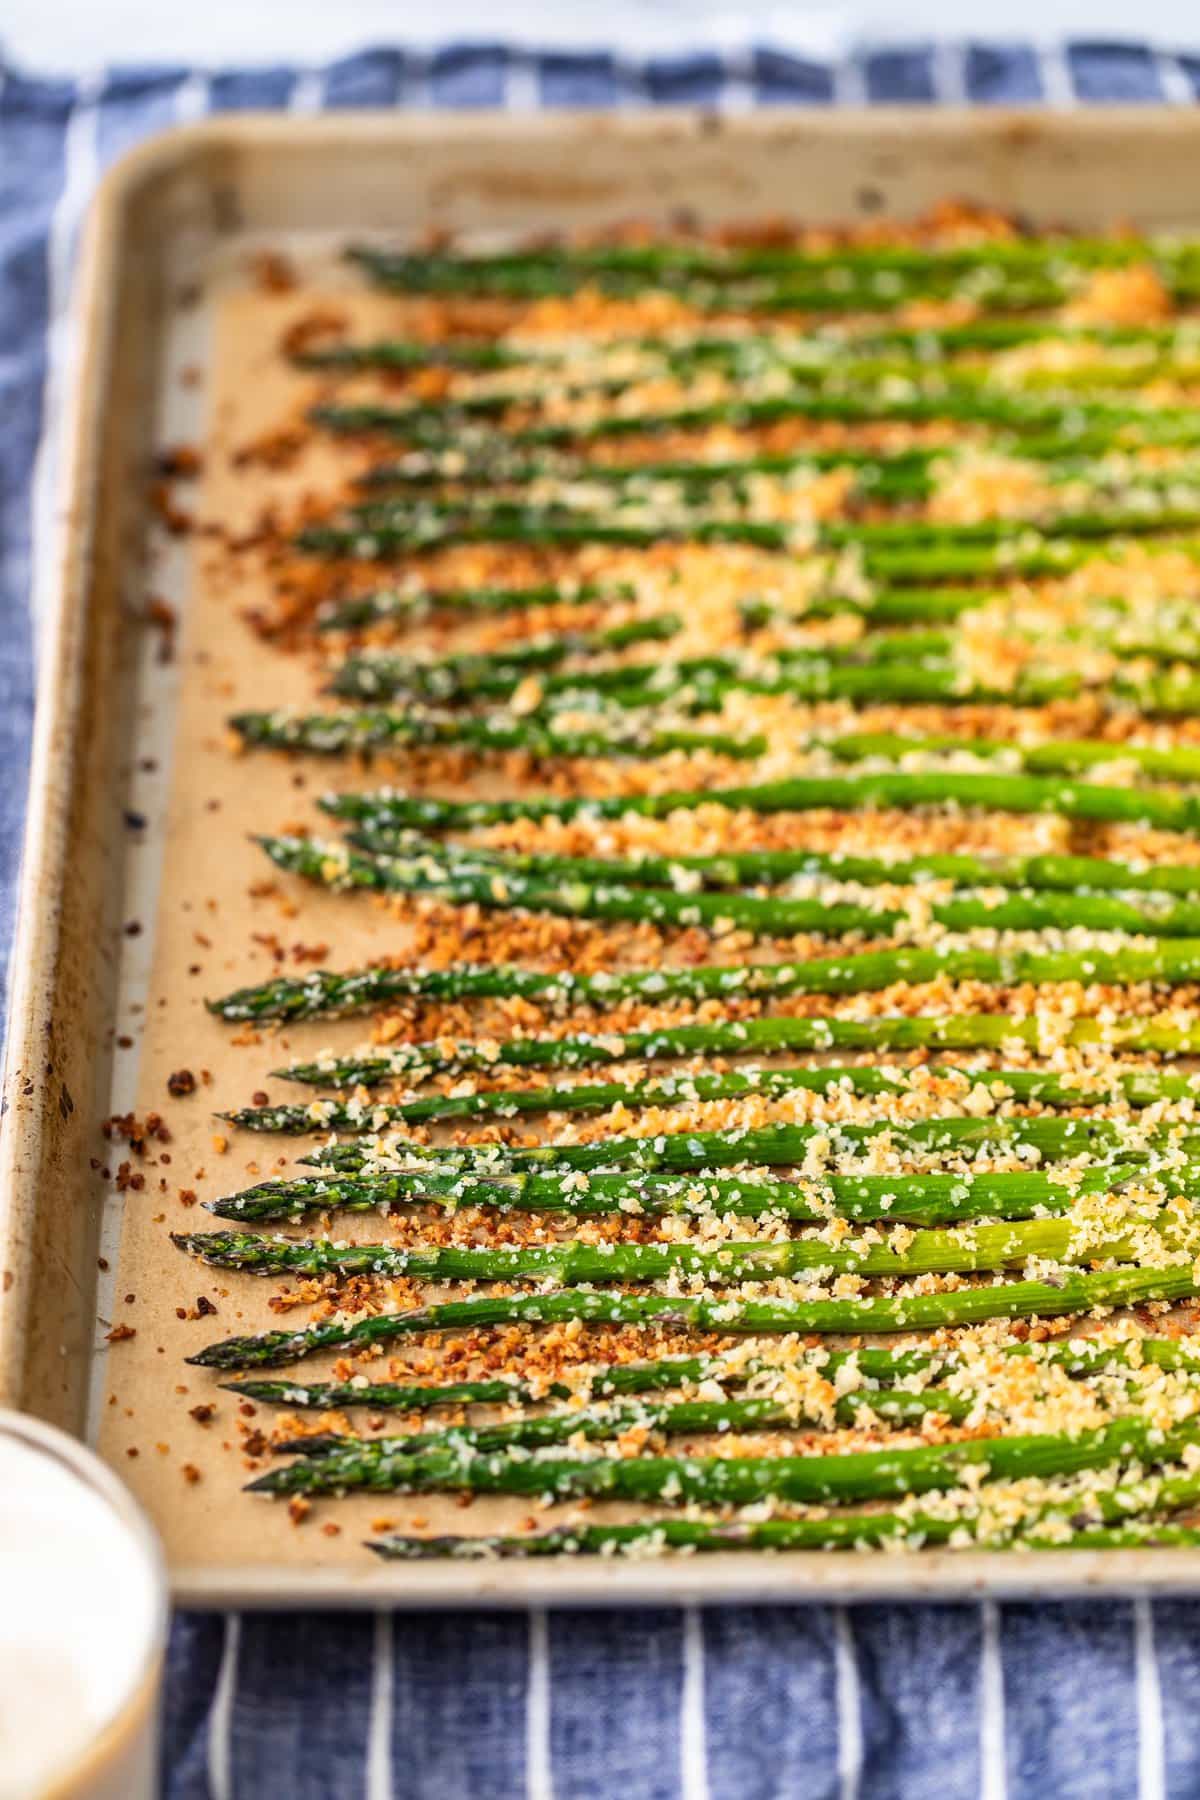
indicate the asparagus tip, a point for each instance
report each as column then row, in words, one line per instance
column 319, row 1443
column 229, row 1353
column 397, row 1548
column 270, row 1483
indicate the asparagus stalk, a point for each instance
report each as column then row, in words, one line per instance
column 733, row 869
column 874, row 1530
column 1162, row 1034
column 450, row 677
column 926, row 1199
column 672, row 1090
column 338, row 733
column 826, row 362
column 925, row 565
column 1121, row 1509
column 476, row 356
column 736, row 1481
column 332, row 1115
column 903, row 470
column 1067, row 1294
column 1108, row 623
column 904, row 789
column 1072, row 420
column 749, row 868
column 757, row 373
column 383, row 531
column 903, row 606
column 987, row 258
column 967, row 1249
column 928, row 344
column 780, row 289
column 906, row 605
column 405, row 603
column 462, row 882
column 876, row 681
column 1140, row 511
column 1079, row 1356
column 927, row 669
column 909, row 475
column 1139, row 1087
column 990, row 334
column 498, row 675
column 335, row 866
column 898, row 1406
column 1168, row 961
column 501, row 1390
column 778, row 1146
column 634, row 687
column 910, row 669
column 1173, row 762
column 788, row 292
column 605, row 1381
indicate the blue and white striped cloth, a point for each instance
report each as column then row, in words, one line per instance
column 1082, row 1700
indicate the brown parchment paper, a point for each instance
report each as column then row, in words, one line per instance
column 221, row 908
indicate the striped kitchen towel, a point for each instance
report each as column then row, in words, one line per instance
column 1081, row 1700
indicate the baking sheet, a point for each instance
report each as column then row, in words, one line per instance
column 127, row 925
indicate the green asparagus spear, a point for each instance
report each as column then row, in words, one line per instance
column 925, row 1199
column 901, row 606
column 777, row 1146
column 383, row 532
column 1080, row 1356
column 414, row 603
column 929, row 344
column 760, row 1413
column 751, row 868
column 450, row 677
column 453, row 877
column 909, row 668
column 1066, row 1294
column 782, row 288
column 334, row 865
column 903, row 471
column 736, row 1481
column 1167, row 961
column 338, row 733
column 1125, row 1514
column 1163, row 1034
column 967, row 1249
column 1137, row 1087
column 1165, row 808
column 838, row 1531
column 1085, row 422
column 885, row 1367
column 988, row 258
column 499, row 674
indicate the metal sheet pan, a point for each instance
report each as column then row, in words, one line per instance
column 100, row 968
